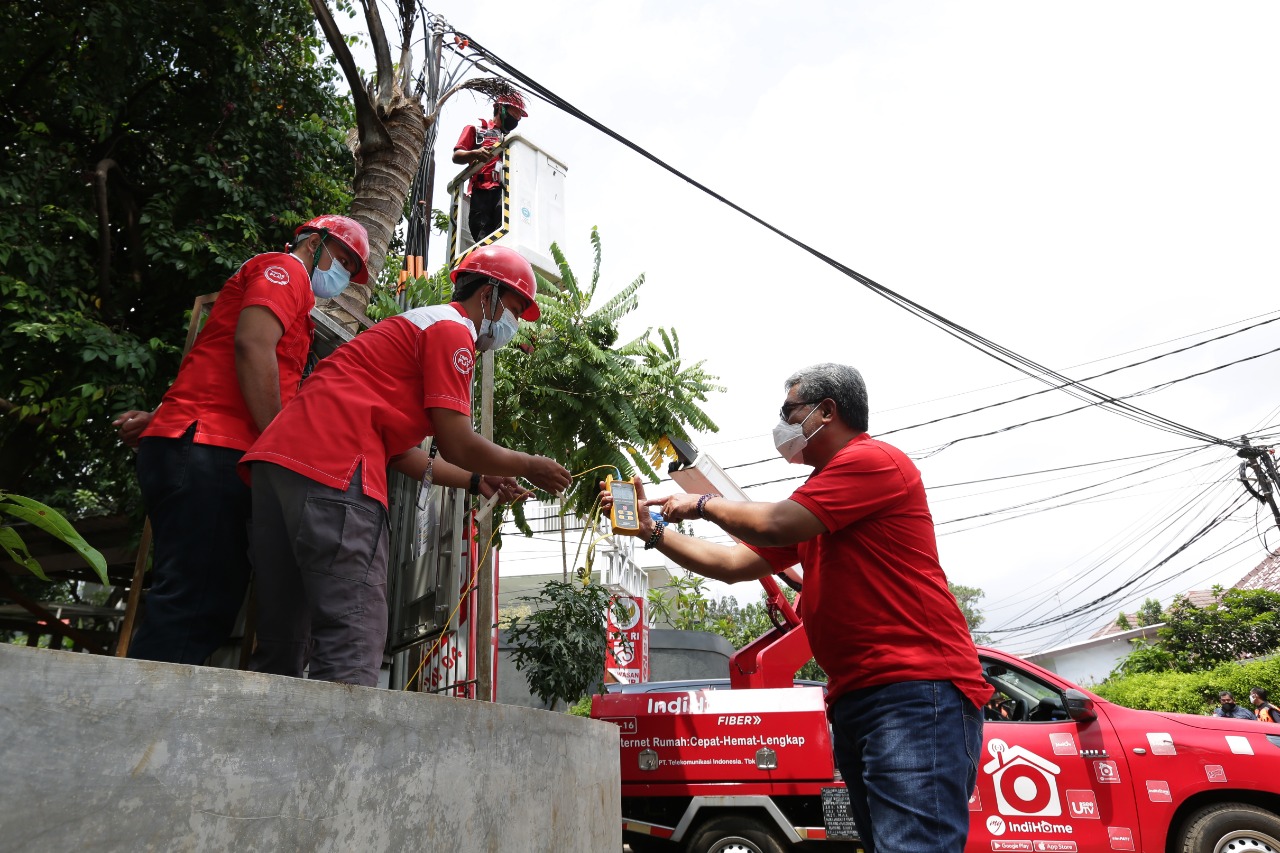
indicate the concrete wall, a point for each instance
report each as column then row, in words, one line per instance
column 672, row 655
column 107, row 754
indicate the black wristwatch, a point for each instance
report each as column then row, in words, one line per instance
column 475, row 484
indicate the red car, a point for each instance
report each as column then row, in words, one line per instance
column 731, row 771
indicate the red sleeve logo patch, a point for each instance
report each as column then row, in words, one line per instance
column 464, row 361
column 276, row 275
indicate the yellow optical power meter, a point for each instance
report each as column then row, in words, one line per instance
column 624, row 516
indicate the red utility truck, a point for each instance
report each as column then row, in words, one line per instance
column 750, row 768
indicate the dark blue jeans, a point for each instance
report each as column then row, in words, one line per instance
column 199, row 510
column 908, row 753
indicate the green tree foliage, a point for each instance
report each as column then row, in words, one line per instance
column 1241, row 623
column 560, row 646
column 690, row 608
column 566, row 388
column 421, row 291
column 147, row 149
column 1145, row 657
column 967, row 597
column 1190, row 692
column 21, row 509
column 1150, row 613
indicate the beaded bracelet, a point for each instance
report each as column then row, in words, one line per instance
column 656, row 536
column 702, row 501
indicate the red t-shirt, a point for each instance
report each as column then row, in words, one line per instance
column 486, row 135
column 876, row 605
column 207, row 391
column 368, row 401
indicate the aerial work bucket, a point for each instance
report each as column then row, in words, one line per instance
column 532, row 206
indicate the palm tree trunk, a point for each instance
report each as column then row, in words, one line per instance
column 383, row 178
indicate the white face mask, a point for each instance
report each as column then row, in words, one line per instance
column 328, row 283
column 791, row 440
column 495, row 334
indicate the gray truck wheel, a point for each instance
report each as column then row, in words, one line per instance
column 736, row 834
column 1232, row 828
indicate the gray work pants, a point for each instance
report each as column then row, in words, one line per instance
column 320, row 577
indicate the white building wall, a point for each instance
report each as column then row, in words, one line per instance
column 1091, row 662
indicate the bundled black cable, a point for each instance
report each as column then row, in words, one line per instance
column 1001, row 353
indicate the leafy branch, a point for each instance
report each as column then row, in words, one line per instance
column 51, row 522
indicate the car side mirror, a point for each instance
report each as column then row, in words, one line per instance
column 1079, row 706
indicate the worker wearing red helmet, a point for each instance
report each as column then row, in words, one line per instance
column 319, row 539
column 245, row 365
column 473, row 146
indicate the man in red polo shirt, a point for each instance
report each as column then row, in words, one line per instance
column 475, row 145
column 319, row 539
column 245, row 365
column 905, row 684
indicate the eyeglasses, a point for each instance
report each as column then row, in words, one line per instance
column 788, row 408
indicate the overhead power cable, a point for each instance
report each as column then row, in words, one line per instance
column 1068, row 631
column 1154, row 533
column 1102, row 374
column 1059, row 469
column 967, row 336
column 1196, row 537
column 932, row 451
column 1215, row 339
column 1091, row 361
column 1077, row 490
column 996, row 478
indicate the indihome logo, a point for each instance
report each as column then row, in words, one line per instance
column 1025, row 783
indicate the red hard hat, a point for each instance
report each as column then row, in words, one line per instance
column 513, row 100
column 506, row 266
column 349, row 233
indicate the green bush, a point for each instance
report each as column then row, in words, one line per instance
column 560, row 645
column 1192, row 692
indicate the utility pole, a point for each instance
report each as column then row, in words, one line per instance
column 485, row 579
column 418, row 228
column 438, row 26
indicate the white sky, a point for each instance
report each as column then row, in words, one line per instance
column 1073, row 182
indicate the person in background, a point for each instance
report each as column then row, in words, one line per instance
column 1227, row 707
column 319, row 471
column 1264, row 710
column 244, row 366
column 995, row 711
column 475, row 145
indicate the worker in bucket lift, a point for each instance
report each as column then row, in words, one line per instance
column 319, row 542
column 474, row 146
column 880, row 618
column 244, row 366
